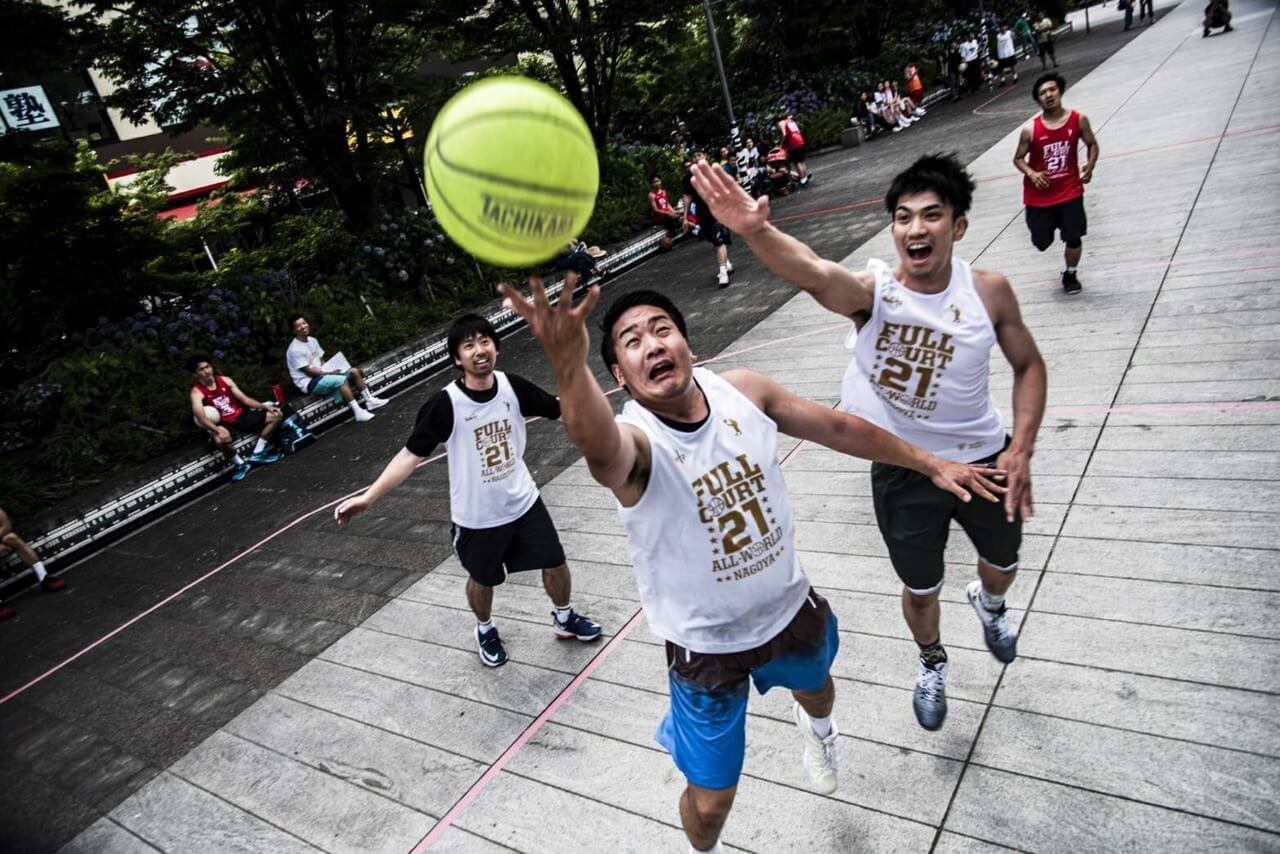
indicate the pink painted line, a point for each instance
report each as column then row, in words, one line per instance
column 447, row 820
column 1168, row 408
column 166, row 600
column 469, row 797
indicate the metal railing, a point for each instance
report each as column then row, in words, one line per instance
column 77, row 535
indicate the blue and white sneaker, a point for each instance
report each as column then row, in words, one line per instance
column 492, row 652
column 263, row 459
column 1001, row 639
column 930, row 702
column 240, row 472
column 577, row 626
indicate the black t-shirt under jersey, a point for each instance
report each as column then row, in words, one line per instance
column 435, row 419
column 701, row 211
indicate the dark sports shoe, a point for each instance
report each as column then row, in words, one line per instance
column 240, row 472
column 1001, row 639
column 1070, row 283
column 492, row 652
column 52, row 585
column 930, row 701
column 577, row 626
column 263, row 459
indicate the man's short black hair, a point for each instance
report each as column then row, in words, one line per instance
column 293, row 320
column 1048, row 77
column 468, row 325
column 628, row 301
column 654, row 177
column 941, row 173
column 196, row 361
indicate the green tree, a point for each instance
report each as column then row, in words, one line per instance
column 303, row 89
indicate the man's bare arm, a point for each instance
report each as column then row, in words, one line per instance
column 1091, row 144
column 617, row 455
column 395, row 473
column 836, row 288
column 858, row 437
column 244, row 399
column 197, row 410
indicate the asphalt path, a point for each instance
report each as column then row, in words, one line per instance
column 84, row 737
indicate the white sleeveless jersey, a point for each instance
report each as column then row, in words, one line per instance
column 920, row 367
column 489, row 484
column 713, row 538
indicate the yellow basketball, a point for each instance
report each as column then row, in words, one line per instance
column 511, row 171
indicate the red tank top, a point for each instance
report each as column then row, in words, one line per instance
column 1053, row 150
column 793, row 138
column 661, row 203
column 221, row 399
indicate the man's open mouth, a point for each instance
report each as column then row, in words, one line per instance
column 661, row 370
column 919, row 251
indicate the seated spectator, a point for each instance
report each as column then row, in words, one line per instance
column 780, row 178
column 906, row 105
column 890, row 109
column 915, row 86
column 580, row 258
column 1217, row 14
column 875, row 120
column 305, row 359
column 235, row 410
column 660, row 210
column 11, row 543
column 728, row 162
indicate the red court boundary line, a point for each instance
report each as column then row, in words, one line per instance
column 446, row 821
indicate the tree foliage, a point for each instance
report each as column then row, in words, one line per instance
column 305, row 89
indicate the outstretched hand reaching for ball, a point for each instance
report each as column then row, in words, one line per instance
column 560, row 328
column 729, row 203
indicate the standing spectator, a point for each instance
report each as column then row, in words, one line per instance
column 1146, row 11
column 660, row 210
column 1025, row 33
column 793, row 144
column 1007, row 54
column 1044, row 40
column 1126, row 6
column 700, row 221
column 970, row 67
column 11, row 543
column 954, row 78
column 305, row 358
column 915, row 86
column 236, row 411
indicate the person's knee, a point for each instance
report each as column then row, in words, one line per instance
column 1074, row 243
column 1041, row 242
column 356, row 375
column 273, row 415
column 710, row 806
column 919, row 600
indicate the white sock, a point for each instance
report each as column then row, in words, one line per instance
column 714, row 849
column 365, row 394
column 821, row 726
column 990, row 601
column 355, row 407
column 260, row 446
column 39, row 570
column 1067, row 269
column 485, row 626
column 562, row 614
column 238, row 460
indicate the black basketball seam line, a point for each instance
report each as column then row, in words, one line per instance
column 559, row 192
column 465, row 222
column 546, row 118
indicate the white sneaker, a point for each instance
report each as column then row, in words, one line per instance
column 920, row 111
column 896, row 129
column 372, row 403
column 728, row 267
column 722, row 278
column 819, row 753
column 363, row 415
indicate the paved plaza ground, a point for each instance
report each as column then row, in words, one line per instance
column 320, row 692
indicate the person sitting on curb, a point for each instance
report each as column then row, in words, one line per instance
column 660, row 210
column 1216, row 14
column 11, row 543
column 235, row 410
column 305, row 358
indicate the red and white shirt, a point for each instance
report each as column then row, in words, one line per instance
column 221, row 399
column 1053, row 151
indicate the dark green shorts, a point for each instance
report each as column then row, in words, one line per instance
column 915, row 518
